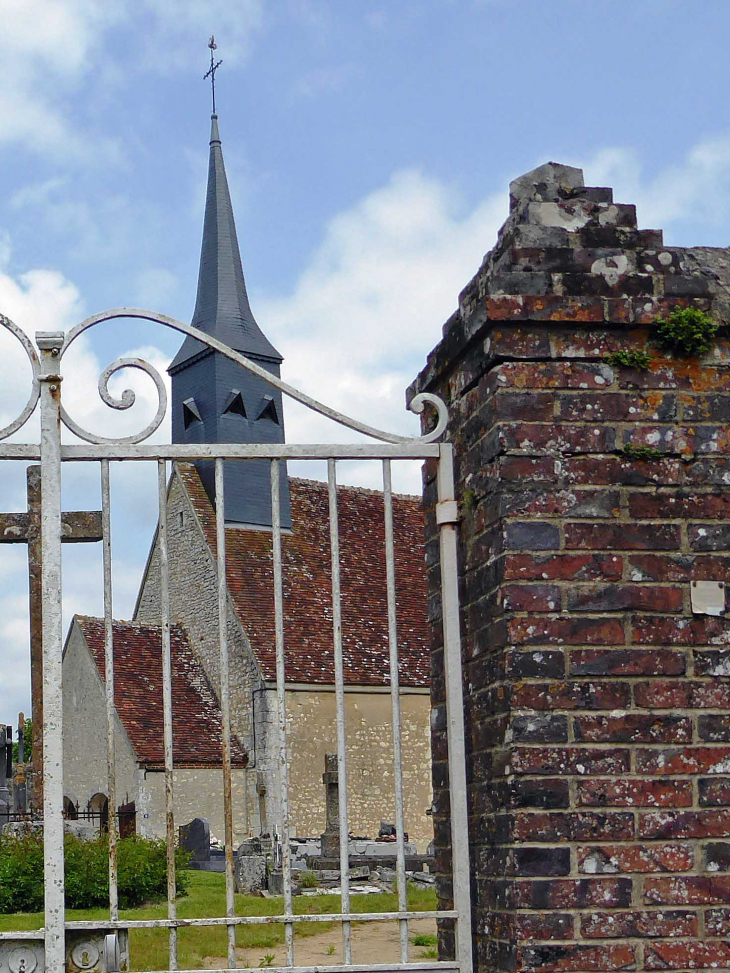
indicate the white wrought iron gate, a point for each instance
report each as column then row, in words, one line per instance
column 50, row 946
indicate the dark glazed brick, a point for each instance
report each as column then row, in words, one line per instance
column 627, row 662
column 539, row 729
column 539, row 793
column 529, row 536
column 541, row 862
column 717, row 856
column 545, row 664
column 714, row 792
column 622, row 537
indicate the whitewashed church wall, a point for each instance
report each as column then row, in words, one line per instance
column 311, row 718
column 198, row 793
column 84, row 731
column 194, row 603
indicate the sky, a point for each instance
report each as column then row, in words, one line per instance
column 369, row 145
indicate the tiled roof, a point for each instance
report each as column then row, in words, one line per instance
column 196, row 716
column 307, row 584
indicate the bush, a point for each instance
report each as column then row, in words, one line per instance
column 142, row 871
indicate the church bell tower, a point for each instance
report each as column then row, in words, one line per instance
column 214, row 400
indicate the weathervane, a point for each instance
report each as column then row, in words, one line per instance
column 213, row 67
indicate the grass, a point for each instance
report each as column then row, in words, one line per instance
column 207, row 898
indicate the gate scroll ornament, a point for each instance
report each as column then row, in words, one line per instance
column 46, row 390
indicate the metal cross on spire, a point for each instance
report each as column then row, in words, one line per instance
column 213, row 67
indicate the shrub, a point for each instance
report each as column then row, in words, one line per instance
column 687, row 332
column 142, row 871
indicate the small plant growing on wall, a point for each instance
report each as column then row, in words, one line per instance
column 638, row 360
column 687, row 332
column 640, row 452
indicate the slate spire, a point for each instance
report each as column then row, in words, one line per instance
column 222, row 307
column 215, row 400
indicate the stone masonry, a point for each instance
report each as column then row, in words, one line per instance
column 597, row 699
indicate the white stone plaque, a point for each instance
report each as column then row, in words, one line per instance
column 708, row 597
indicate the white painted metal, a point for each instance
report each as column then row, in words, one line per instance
column 46, row 389
column 455, row 712
column 225, row 701
column 281, row 703
column 340, row 707
column 109, row 688
column 50, row 397
column 167, row 705
column 395, row 697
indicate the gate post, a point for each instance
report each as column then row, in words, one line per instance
column 447, row 520
column 49, row 344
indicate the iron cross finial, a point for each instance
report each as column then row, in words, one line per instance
column 213, row 67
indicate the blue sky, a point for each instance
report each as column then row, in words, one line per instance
column 369, row 147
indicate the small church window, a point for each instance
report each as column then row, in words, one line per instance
column 234, row 405
column 267, row 410
column 191, row 412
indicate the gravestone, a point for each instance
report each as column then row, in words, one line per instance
column 195, row 839
column 331, row 834
column 250, row 867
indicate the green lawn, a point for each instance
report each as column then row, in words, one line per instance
column 207, row 898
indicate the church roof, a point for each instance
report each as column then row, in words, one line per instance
column 222, row 308
column 196, row 716
column 307, row 584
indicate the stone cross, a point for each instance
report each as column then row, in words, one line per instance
column 20, row 799
column 331, row 781
column 77, row 527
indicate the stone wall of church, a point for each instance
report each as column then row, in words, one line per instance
column 193, row 582
column 84, row 731
column 311, row 717
column 198, row 793
column 594, row 540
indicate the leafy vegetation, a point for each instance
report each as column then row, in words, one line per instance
column 639, row 360
column 640, row 452
column 687, row 332
column 27, row 744
column 142, row 871
column 207, row 898
column 308, row 880
column 424, row 940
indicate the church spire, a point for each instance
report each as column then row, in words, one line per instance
column 222, row 307
column 214, row 400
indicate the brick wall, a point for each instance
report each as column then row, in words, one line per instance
column 597, row 700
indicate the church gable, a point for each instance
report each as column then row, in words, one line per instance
column 196, row 715
column 307, row 585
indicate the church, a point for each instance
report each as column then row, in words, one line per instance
column 214, row 400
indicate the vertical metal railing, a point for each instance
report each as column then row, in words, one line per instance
column 54, row 884
column 109, row 687
column 167, row 707
column 281, row 703
column 225, row 701
column 395, row 698
column 340, row 705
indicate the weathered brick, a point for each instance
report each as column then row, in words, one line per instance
column 569, row 760
column 535, row 438
column 716, row 856
column 622, row 537
column 714, row 728
column 714, row 792
column 687, row 955
column 531, row 598
column 614, row 859
column 678, row 567
column 687, row 890
column 584, row 893
column 571, row 695
column 684, row 694
column 717, row 922
column 635, row 793
column 568, row 631
column 616, row 406
column 627, row 597
column 627, row 662
column 686, row 760
column 684, row 824
column 629, row 925
column 531, row 536
column 576, row 956
column 709, row 537
column 697, row 630
column 539, row 728
column 565, row 567
column 517, row 406
column 573, row 826
column 632, row 728
column 680, row 504
column 541, row 664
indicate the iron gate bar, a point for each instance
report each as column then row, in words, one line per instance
column 340, row 709
column 281, row 702
column 46, row 386
column 395, row 705
column 113, row 818
column 167, row 707
column 220, row 522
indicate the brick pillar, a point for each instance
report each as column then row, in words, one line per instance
column 597, row 700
